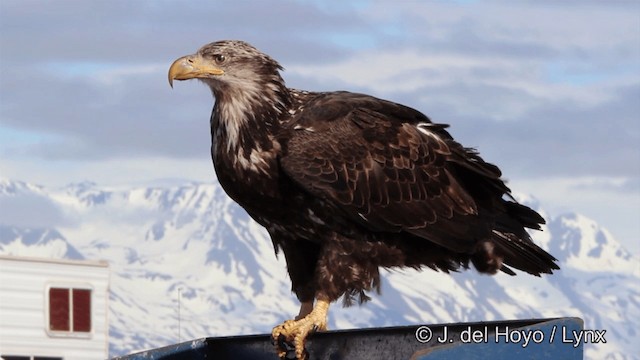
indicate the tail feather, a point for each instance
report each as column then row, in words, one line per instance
column 511, row 246
column 524, row 215
column 523, row 254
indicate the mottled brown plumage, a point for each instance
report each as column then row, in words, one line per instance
column 347, row 183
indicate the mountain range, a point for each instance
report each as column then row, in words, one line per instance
column 186, row 262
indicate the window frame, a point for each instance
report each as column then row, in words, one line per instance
column 47, row 316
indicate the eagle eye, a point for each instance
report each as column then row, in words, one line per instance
column 219, row 58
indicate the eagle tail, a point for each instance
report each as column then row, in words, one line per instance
column 515, row 245
column 510, row 246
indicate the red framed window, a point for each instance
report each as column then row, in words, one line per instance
column 69, row 310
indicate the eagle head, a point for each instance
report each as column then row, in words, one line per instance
column 228, row 66
column 250, row 95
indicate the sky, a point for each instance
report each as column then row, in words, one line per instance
column 548, row 90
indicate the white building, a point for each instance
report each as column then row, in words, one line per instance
column 53, row 309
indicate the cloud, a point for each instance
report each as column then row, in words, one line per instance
column 565, row 138
column 620, row 185
column 541, row 88
column 101, row 93
column 612, row 201
column 31, row 211
column 124, row 31
column 117, row 172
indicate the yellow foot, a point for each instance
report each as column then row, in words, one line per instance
column 292, row 335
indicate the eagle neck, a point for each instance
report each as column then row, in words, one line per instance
column 243, row 123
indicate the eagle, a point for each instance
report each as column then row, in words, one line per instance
column 347, row 183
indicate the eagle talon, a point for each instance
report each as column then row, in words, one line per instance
column 288, row 348
column 281, row 342
column 285, row 349
column 291, row 355
column 290, row 337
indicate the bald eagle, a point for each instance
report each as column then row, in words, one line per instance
column 347, row 183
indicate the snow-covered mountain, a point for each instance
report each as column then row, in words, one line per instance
column 187, row 262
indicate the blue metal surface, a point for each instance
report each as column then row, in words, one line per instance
column 446, row 341
column 195, row 349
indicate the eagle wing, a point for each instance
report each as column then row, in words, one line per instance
column 389, row 168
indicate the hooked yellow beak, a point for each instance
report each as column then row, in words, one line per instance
column 192, row 67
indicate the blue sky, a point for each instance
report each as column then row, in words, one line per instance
column 549, row 91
